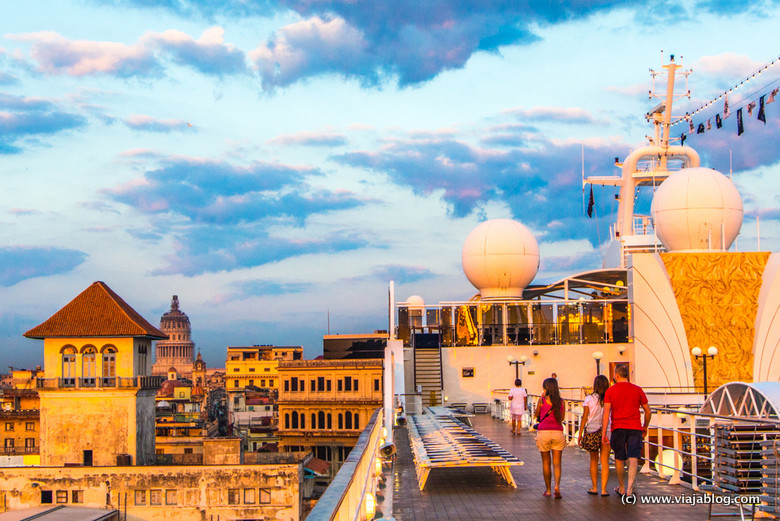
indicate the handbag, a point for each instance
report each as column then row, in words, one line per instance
column 591, row 441
column 536, row 425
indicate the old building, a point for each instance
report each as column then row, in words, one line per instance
column 97, row 400
column 325, row 404
column 178, row 349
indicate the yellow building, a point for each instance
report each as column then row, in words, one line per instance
column 256, row 366
column 325, row 404
column 97, row 401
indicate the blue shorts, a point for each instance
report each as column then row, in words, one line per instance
column 627, row 443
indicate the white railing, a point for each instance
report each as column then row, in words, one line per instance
column 352, row 495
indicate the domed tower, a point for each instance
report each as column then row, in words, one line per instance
column 179, row 350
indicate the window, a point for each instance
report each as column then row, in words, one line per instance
column 235, row 369
column 376, row 384
column 170, row 497
column 155, row 497
column 294, row 383
column 270, row 383
column 29, row 426
column 328, row 385
column 46, row 497
column 267, row 369
column 303, row 421
column 320, row 383
column 341, row 421
column 330, row 421
column 251, row 369
column 140, row 497
column 69, row 367
column 9, row 443
column 249, row 496
column 235, row 383
column 77, row 496
column 321, row 419
column 62, row 496
column 236, row 400
column 294, row 420
column 347, row 383
column 251, row 383
column 187, row 450
column 348, row 420
column 9, row 426
column 262, row 383
column 338, row 385
column 357, row 421
column 109, row 366
column 265, row 496
column 29, row 445
column 286, row 385
column 234, row 496
column 313, row 385
column 355, row 384
column 286, row 420
column 89, row 366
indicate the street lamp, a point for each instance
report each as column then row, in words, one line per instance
column 697, row 353
column 597, row 356
column 517, row 363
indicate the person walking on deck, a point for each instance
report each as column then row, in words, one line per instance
column 591, row 432
column 550, row 439
column 622, row 402
column 517, row 405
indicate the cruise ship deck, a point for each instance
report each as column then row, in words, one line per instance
column 479, row 493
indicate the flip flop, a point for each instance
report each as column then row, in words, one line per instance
column 605, row 494
column 558, row 494
column 546, row 494
column 618, row 492
column 593, row 492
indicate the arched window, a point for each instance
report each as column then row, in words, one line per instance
column 69, row 366
column 321, row 419
column 341, row 421
column 348, row 420
column 330, row 421
column 313, row 421
column 303, row 420
column 357, row 421
column 88, row 366
column 287, row 420
column 294, row 420
column 109, row 366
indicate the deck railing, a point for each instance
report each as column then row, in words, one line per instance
column 352, row 495
column 114, row 382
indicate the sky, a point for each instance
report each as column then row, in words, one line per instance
column 276, row 163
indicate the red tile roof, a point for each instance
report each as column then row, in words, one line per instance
column 96, row 311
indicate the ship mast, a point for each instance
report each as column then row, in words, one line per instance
column 634, row 233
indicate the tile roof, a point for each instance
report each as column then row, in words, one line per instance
column 97, row 311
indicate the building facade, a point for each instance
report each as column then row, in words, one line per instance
column 97, row 401
column 178, row 349
column 325, row 404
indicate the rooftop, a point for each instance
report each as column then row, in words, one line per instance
column 96, row 312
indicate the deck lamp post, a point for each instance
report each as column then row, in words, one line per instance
column 697, row 353
column 517, row 363
column 597, row 356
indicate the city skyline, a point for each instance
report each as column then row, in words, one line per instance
column 277, row 164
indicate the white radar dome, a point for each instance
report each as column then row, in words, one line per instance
column 697, row 209
column 500, row 258
column 415, row 302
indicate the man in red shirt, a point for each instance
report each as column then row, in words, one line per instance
column 621, row 405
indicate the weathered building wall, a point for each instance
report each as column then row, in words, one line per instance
column 165, row 493
column 102, row 421
column 221, row 451
column 145, row 428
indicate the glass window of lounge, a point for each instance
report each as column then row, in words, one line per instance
column 76, row 496
column 140, row 497
column 249, row 496
column 265, row 496
column 234, row 496
column 62, row 496
column 170, row 497
column 155, row 497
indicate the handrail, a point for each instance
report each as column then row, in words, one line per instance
column 345, row 497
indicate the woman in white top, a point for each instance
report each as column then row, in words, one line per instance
column 517, row 405
column 592, row 427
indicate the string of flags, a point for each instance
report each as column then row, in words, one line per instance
column 703, row 127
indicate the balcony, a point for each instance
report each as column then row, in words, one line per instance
column 18, row 451
column 116, row 382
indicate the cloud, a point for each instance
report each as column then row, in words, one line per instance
column 219, row 214
column 24, row 211
column 57, row 55
column 313, row 139
column 401, row 274
column 150, row 124
column 261, row 288
column 22, row 117
column 208, row 55
column 728, row 65
column 557, row 114
column 18, row 263
column 220, row 248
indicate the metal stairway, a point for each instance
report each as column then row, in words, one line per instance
column 427, row 374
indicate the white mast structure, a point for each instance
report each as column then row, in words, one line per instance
column 631, row 232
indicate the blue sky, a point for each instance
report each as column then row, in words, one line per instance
column 272, row 162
